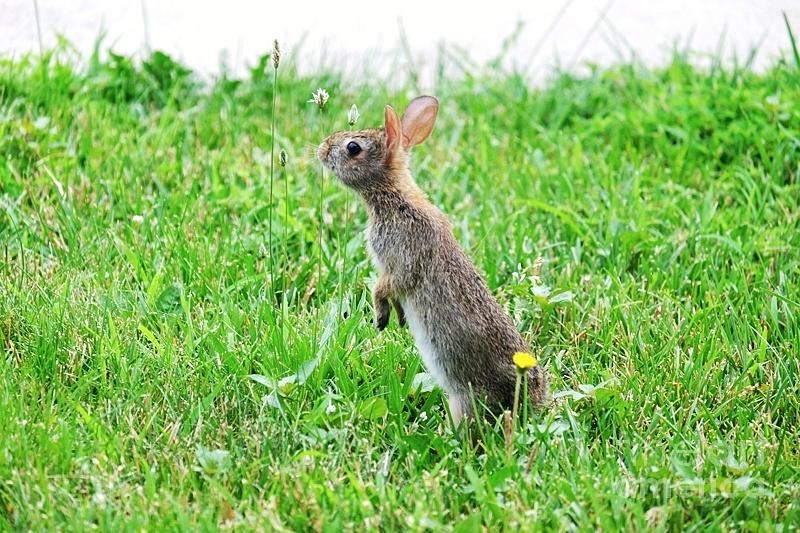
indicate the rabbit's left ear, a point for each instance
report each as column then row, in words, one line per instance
column 418, row 120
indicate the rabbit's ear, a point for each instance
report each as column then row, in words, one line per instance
column 393, row 128
column 418, row 120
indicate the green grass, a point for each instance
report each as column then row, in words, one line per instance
column 661, row 206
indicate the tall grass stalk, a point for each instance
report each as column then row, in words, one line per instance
column 276, row 58
column 318, row 285
column 352, row 118
column 319, row 245
column 344, row 236
column 286, row 198
column 145, row 27
column 792, row 41
column 38, row 27
column 516, row 397
column 320, row 98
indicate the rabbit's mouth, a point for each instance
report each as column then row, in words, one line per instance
column 324, row 155
column 322, row 151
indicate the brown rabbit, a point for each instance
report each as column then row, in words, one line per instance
column 465, row 338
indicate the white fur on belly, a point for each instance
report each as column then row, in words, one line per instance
column 429, row 356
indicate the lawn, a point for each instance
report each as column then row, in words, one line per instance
column 185, row 323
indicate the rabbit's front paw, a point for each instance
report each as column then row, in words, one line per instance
column 401, row 314
column 382, row 311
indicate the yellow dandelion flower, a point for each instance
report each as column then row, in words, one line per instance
column 524, row 360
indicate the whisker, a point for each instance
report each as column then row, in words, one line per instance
column 310, row 151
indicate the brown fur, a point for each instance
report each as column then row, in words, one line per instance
column 423, row 270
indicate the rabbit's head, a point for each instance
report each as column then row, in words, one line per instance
column 375, row 159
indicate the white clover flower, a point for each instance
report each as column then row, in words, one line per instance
column 352, row 116
column 330, row 409
column 137, row 219
column 423, row 416
column 319, row 97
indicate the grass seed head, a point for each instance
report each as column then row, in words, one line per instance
column 276, row 54
column 283, row 158
column 352, row 115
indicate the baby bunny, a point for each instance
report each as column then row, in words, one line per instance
column 466, row 339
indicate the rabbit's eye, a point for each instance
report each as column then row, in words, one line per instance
column 353, row 149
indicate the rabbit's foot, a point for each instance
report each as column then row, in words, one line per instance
column 382, row 311
column 401, row 314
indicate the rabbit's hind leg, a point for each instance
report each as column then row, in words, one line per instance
column 460, row 407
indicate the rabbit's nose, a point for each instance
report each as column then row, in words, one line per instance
column 323, row 151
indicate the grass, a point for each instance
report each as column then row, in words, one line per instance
column 660, row 206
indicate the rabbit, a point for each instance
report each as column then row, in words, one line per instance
column 465, row 338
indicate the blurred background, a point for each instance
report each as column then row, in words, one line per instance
column 373, row 38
